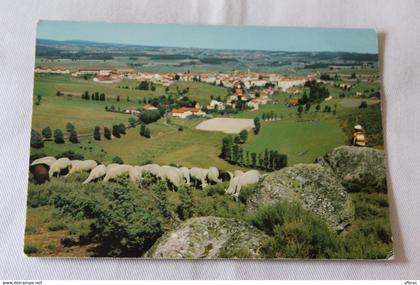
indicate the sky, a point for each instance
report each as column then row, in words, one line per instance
column 214, row 37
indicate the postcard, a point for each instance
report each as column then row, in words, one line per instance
column 200, row 141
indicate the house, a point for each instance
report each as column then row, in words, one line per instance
column 293, row 101
column 253, row 104
column 132, row 111
column 148, row 107
column 185, row 112
column 105, row 79
column 216, row 104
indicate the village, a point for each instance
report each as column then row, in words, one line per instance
column 247, row 89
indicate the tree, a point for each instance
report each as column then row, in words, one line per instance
column 97, row 133
column 73, row 137
column 102, row 97
column 257, row 124
column 254, row 159
column 317, row 107
column 36, row 140
column 363, row 104
column 300, row 109
column 227, row 144
column 70, row 127
column 116, row 131
column 117, row 159
column 107, row 133
column 307, row 107
column 237, row 140
column 121, row 129
column 58, row 136
column 353, row 76
column 58, row 93
column 147, row 133
column 243, row 135
column 132, row 121
column 118, row 98
column 46, row 133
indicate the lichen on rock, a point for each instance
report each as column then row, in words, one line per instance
column 210, row 237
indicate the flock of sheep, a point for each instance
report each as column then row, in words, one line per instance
column 46, row 167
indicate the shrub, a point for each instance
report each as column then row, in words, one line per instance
column 71, row 155
column 58, row 136
column 296, row 233
column 97, row 133
column 52, row 245
column 36, row 140
column 128, row 224
column 30, row 229
column 47, row 133
column 117, row 159
column 185, row 207
column 56, row 226
column 73, row 137
column 31, row 248
column 246, row 192
column 107, row 133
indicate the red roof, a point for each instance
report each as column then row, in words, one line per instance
column 185, row 109
column 103, row 78
column 148, row 106
column 89, row 69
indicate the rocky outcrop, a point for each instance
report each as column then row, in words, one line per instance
column 359, row 169
column 209, row 237
column 312, row 185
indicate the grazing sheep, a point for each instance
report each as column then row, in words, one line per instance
column 48, row 160
column 60, row 167
column 186, row 174
column 213, row 175
column 96, row 173
column 199, row 175
column 173, row 176
column 154, row 169
column 81, row 166
column 40, row 173
column 117, row 171
column 249, row 177
column 225, row 175
column 135, row 173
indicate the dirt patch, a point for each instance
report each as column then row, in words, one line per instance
column 226, row 125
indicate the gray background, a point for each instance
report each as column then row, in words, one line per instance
column 397, row 24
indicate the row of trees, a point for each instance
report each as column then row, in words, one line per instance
column 269, row 116
column 146, row 85
column 117, row 131
column 94, row 96
column 268, row 160
column 37, row 140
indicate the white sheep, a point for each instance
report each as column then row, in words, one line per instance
column 154, row 169
column 59, row 165
column 186, row 174
column 238, row 172
column 173, row 175
column 98, row 172
column 199, row 174
column 48, row 160
column 135, row 173
column 249, row 177
column 117, row 171
column 213, row 175
column 81, row 166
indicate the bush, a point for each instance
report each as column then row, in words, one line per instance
column 296, row 233
column 56, row 226
column 185, row 207
column 128, row 224
column 58, row 136
column 36, row 140
column 117, row 159
column 47, row 133
column 246, row 192
column 52, row 245
column 73, row 137
column 31, row 248
column 71, row 155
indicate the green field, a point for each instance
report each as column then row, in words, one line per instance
column 302, row 138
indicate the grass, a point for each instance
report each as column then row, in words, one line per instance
column 200, row 91
column 303, row 141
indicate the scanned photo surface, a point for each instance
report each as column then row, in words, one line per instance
column 194, row 141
